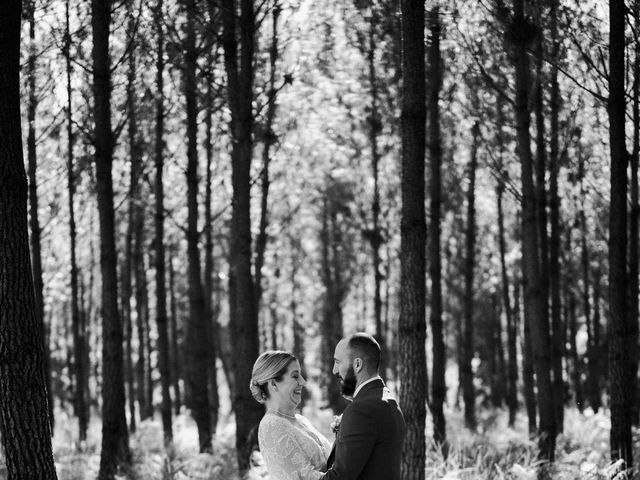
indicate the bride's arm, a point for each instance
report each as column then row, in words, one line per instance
column 283, row 454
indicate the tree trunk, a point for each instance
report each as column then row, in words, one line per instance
column 438, row 385
column 554, row 212
column 298, row 329
column 498, row 391
column 115, row 442
column 468, row 391
column 212, row 310
column 585, row 264
column 575, row 358
column 148, row 352
column 621, row 333
column 23, row 386
column 176, row 373
column 268, row 140
column 633, row 223
column 413, row 236
column 198, row 351
column 125, row 280
column 140, row 294
column 79, row 332
column 527, row 368
column 238, row 40
column 136, row 233
column 332, row 327
column 148, row 413
column 557, row 384
column 511, row 317
column 512, row 328
column 534, row 299
column 90, row 322
column 128, row 332
column 595, row 369
column 375, row 238
column 490, row 356
column 34, row 223
column 161, row 289
column 126, row 272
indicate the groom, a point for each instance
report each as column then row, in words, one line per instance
column 369, row 440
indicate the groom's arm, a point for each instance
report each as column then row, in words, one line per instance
column 358, row 432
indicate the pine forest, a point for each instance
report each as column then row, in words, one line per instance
column 185, row 184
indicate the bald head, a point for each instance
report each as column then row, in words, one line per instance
column 364, row 346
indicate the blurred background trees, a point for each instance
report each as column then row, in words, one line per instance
column 212, row 179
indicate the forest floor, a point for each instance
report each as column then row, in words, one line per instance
column 495, row 451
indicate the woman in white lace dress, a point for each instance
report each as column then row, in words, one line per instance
column 292, row 449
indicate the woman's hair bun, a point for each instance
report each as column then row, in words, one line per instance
column 257, row 391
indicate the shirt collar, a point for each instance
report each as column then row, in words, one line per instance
column 372, row 379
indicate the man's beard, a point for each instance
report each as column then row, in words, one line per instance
column 349, row 382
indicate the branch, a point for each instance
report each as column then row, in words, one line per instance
column 596, row 95
column 492, row 83
column 129, row 48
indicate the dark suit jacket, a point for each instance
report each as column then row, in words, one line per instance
column 369, row 442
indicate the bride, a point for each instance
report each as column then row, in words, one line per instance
column 291, row 447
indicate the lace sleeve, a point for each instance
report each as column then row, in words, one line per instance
column 283, row 454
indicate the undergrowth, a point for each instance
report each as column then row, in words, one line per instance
column 494, row 451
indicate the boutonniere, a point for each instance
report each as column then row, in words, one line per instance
column 335, row 424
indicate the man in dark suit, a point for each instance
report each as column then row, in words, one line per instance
column 371, row 433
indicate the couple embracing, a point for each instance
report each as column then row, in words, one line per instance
column 369, row 438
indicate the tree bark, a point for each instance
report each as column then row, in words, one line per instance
column 148, row 353
column 468, row 391
column 534, row 300
column 140, row 296
column 238, row 40
column 128, row 332
column 134, row 263
column 332, row 325
column 161, row 289
column 24, row 413
column 621, row 333
column 438, row 385
column 34, row 222
column 634, row 238
column 585, row 267
column 498, row 390
column 527, row 369
column 79, row 332
column 211, row 308
column 176, row 372
column 126, row 272
column 198, row 351
column 575, row 358
column 595, row 369
column 557, row 384
column 554, row 213
column 268, row 140
column 512, row 328
column 125, row 296
column 115, row 442
column 375, row 235
column 298, row 329
column 413, row 236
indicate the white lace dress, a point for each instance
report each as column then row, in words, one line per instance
column 292, row 449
